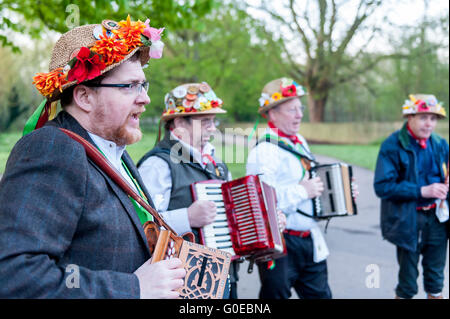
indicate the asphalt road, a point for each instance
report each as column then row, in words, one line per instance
column 361, row 265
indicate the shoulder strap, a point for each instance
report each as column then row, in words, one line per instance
column 106, row 166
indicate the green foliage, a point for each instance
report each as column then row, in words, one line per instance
column 62, row 15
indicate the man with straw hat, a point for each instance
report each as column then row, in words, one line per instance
column 185, row 156
column 304, row 267
column 411, row 179
column 67, row 230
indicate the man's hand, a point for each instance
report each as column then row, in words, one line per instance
column 313, row 186
column 436, row 190
column 161, row 280
column 201, row 213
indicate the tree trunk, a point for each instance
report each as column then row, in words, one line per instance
column 316, row 108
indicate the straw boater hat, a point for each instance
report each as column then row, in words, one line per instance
column 278, row 91
column 88, row 51
column 191, row 99
column 423, row 103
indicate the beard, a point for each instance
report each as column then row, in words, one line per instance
column 122, row 135
column 126, row 136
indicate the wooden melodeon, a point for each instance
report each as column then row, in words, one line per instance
column 336, row 199
column 206, row 268
column 246, row 223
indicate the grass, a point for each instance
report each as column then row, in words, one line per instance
column 7, row 142
column 360, row 155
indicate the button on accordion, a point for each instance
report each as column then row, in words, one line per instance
column 246, row 223
column 337, row 198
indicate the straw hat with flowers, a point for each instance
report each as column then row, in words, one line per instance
column 191, row 99
column 88, row 51
column 278, row 91
column 423, row 103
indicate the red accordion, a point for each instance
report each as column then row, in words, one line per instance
column 246, row 223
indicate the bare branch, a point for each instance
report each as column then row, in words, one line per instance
column 369, row 66
column 306, row 41
column 359, row 19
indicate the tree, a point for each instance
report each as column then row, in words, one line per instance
column 228, row 50
column 327, row 55
column 31, row 16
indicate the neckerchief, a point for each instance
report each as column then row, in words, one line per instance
column 272, row 135
column 293, row 138
column 422, row 141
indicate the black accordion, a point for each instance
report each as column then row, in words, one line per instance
column 337, row 198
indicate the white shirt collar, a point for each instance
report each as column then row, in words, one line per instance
column 110, row 149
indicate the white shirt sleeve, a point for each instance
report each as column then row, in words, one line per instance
column 155, row 173
column 267, row 159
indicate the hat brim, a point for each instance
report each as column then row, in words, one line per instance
column 266, row 108
column 216, row 110
column 145, row 57
column 439, row 115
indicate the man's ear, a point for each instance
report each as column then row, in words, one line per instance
column 83, row 96
column 271, row 114
column 178, row 122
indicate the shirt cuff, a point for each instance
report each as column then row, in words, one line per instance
column 178, row 220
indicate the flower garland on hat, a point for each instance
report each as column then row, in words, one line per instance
column 191, row 99
column 423, row 104
column 288, row 88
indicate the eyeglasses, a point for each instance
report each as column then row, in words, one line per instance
column 209, row 122
column 135, row 87
column 205, row 122
column 295, row 110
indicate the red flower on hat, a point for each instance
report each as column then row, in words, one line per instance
column 87, row 67
column 422, row 106
column 214, row 103
column 290, row 90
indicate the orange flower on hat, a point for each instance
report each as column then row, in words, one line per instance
column 276, row 96
column 47, row 83
column 111, row 49
column 130, row 32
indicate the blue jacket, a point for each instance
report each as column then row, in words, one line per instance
column 395, row 182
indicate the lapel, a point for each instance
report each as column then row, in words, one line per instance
column 65, row 120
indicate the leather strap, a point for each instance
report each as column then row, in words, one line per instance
column 106, row 166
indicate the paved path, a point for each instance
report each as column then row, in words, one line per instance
column 357, row 252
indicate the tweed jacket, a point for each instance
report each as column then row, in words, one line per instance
column 66, row 229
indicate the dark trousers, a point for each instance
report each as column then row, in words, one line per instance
column 432, row 246
column 298, row 270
